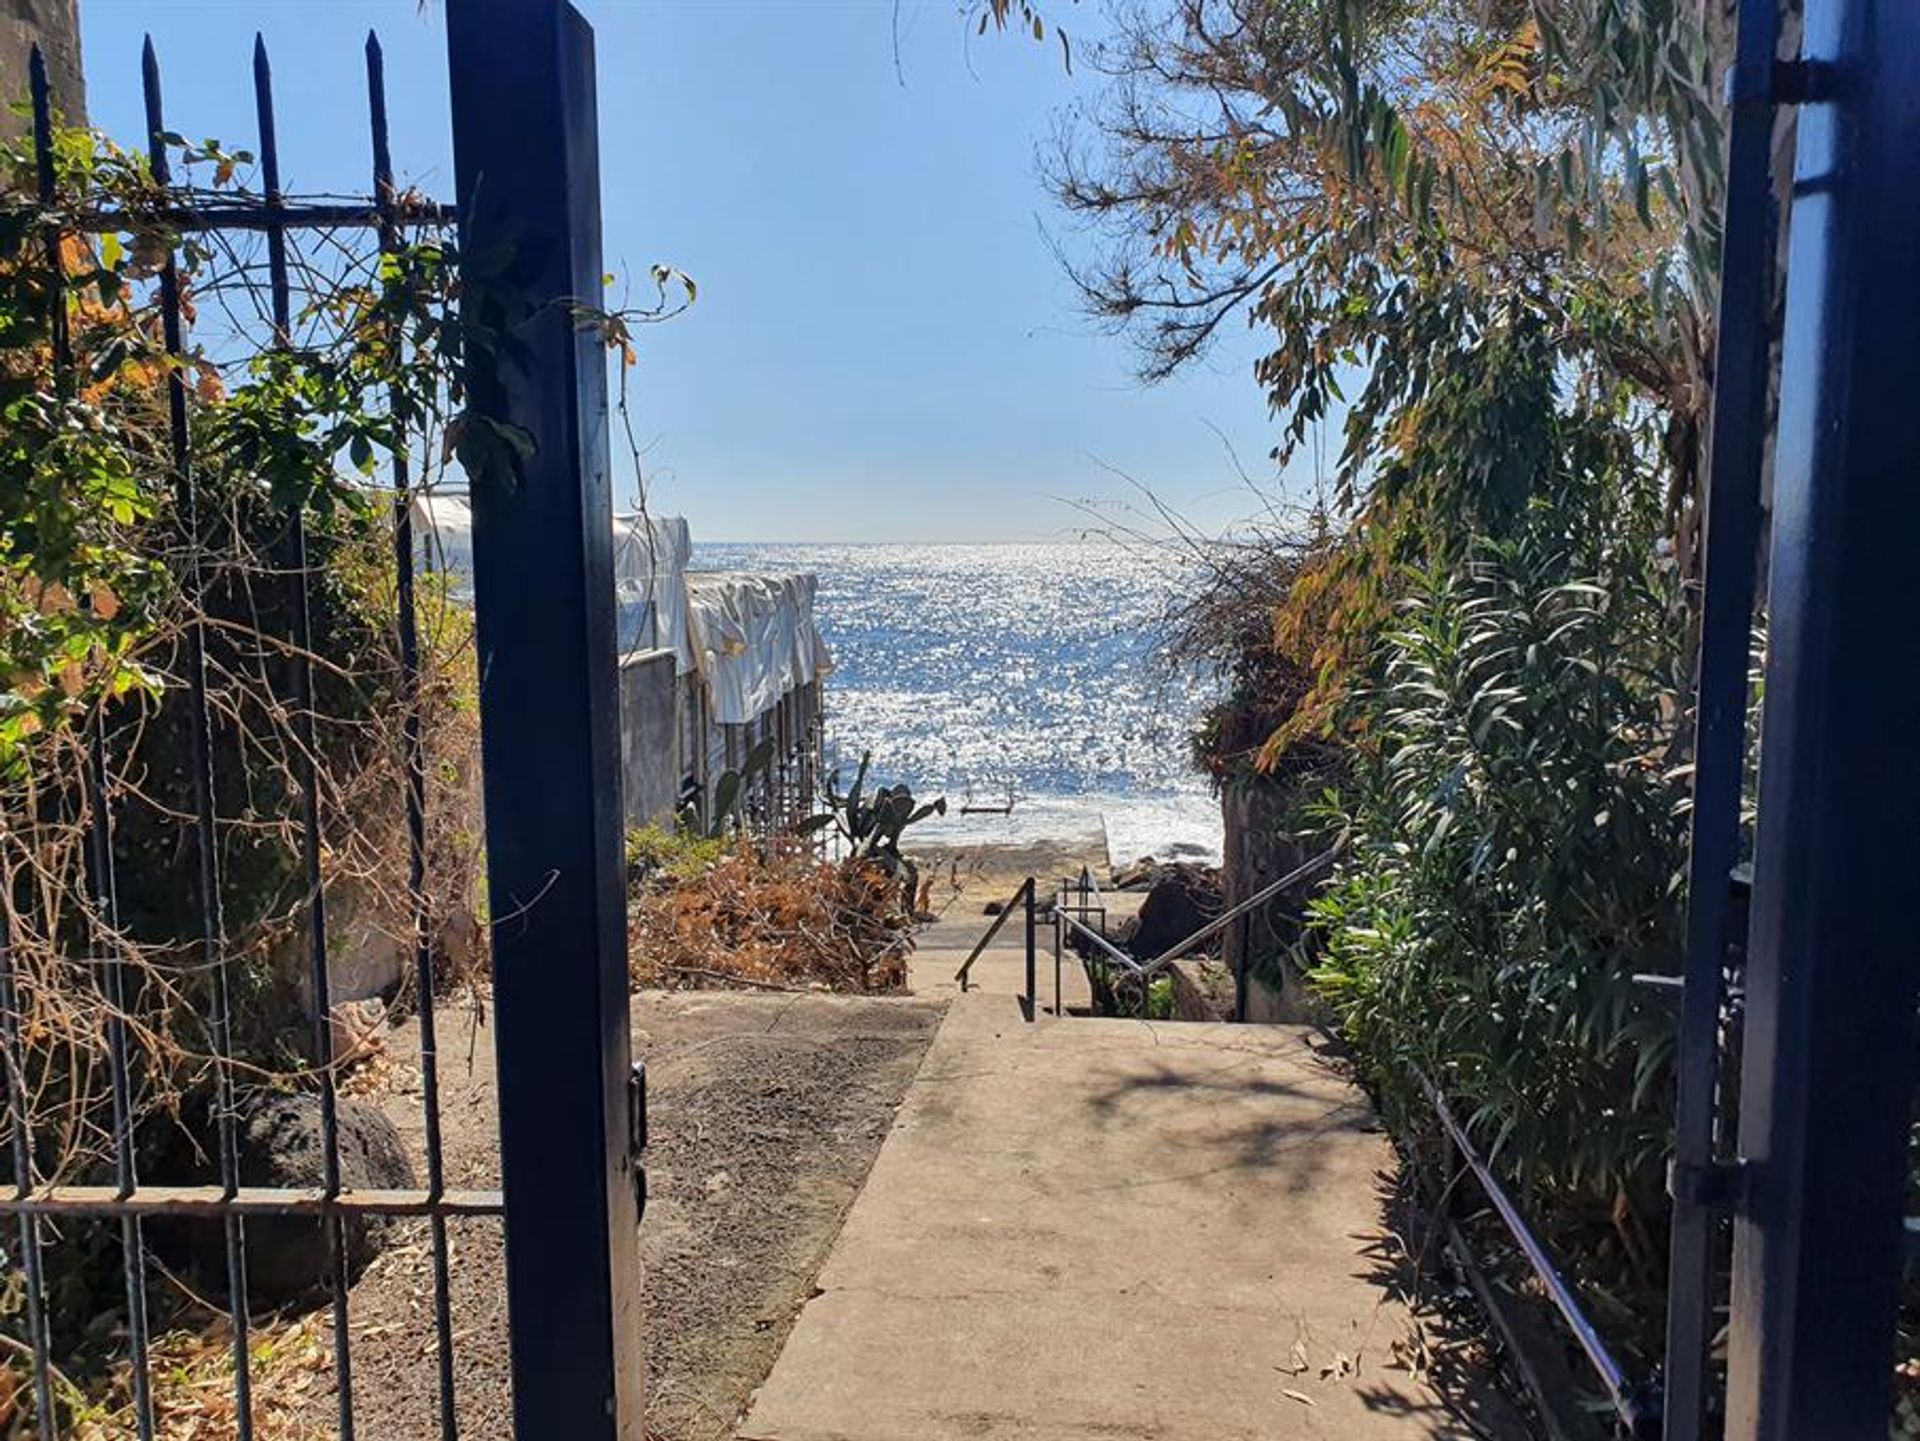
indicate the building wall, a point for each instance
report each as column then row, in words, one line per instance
column 670, row 744
column 649, row 737
column 55, row 26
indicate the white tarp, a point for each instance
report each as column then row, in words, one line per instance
column 649, row 585
column 443, row 539
column 756, row 639
column 750, row 637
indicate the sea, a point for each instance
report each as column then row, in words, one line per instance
column 1022, row 674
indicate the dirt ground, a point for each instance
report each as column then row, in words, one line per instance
column 766, row 1113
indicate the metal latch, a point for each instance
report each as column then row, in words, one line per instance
column 637, row 1133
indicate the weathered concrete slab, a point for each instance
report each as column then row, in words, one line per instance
column 1109, row 1229
column 1000, row 971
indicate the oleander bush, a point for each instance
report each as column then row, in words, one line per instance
column 1516, row 851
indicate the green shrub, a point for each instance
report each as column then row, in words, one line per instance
column 682, row 854
column 1160, row 999
column 1517, row 852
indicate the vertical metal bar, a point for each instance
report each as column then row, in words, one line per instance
column 15, row 1059
column 113, row 986
column 1827, row 1072
column 1736, row 449
column 526, row 156
column 415, row 761
column 306, row 769
column 1033, row 989
column 99, row 825
column 200, row 757
column 1059, row 926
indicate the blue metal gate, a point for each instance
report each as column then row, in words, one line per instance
column 528, row 234
column 1811, row 1002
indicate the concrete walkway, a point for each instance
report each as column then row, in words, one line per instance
column 1109, row 1229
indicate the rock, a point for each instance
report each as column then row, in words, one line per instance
column 993, row 908
column 1139, row 876
column 1182, row 900
column 458, row 943
column 279, row 1143
column 364, row 955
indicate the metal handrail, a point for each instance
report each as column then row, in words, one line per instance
column 1258, row 898
column 1144, row 971
column 1023, row 895
column 1113, row 951
column 1637, row 1406
column 1637, row 1409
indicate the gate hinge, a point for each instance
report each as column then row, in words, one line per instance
column 1718, row 1186
column 637, row 1134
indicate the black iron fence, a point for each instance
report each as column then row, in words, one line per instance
column 128, row 1201
column 516, row 366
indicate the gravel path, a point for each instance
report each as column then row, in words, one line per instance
column 767, row 1111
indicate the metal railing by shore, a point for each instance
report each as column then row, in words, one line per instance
column 1144, row 972
column 1021, row 901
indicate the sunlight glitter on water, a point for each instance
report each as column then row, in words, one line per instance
column 972, row 670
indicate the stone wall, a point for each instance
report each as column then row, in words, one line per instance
column 55, row 26
column 1258, row 849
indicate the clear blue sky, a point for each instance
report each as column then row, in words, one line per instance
column 883, row 348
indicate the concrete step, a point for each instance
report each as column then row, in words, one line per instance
column 1002, row 973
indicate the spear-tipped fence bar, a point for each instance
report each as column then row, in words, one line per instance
column 129, row 1200
column 200, row 746
column 386, row 195
column 111, row 977
column 305, row 767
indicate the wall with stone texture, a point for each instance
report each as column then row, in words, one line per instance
column 55, row 26
column 649, row 737
column 1257, row 850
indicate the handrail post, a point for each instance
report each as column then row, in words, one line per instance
column 1033, row 990
column 1242, row 973
column 1059, row 931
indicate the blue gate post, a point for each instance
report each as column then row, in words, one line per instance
column 534, row 443
column 1735, row 457
column 1828, row 1073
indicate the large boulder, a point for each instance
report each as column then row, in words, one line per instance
column 280, row 1146
column 1184, row 898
